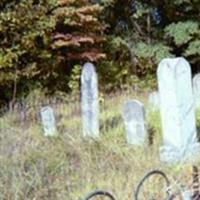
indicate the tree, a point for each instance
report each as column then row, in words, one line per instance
column 152, row 30
column 25, row 53
column 42, row 39
column 78, row 33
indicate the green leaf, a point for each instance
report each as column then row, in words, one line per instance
column 193, row 48
column 182, row 32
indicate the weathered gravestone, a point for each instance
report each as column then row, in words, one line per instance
column 48, row 121
column 177, row 110
column 154, row 101
column 196, row 89
column 133, row 115
column 89, row 101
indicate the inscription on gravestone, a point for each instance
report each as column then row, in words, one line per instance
column 133, row 115
column 48, row 121
column 89, row 101
column 177, row 110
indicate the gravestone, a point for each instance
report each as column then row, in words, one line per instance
column 133, row 115
column 154, row 101
column 89, row 101
column 196, row 89
column 177, row 110
column 48, row 121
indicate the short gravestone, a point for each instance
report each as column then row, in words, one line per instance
column 196, row 89
column 133, row 115
column 153, row 100
column 177, row 110
column 48, row 121
column 89, row 101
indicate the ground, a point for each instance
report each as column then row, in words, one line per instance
column 68, row 167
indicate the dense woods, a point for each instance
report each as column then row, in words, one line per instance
column 43, row 43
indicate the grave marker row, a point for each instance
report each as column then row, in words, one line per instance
column 176, row 106
column 174, row 100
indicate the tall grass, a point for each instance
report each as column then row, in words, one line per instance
column 68, row 167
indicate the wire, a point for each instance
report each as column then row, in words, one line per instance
column 99, row 193
column 153, row 172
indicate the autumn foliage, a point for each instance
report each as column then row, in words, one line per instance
column 78, row 30
column 43, row 43
column 42, row 40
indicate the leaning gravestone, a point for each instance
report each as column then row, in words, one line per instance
column 177, row 110
column 196, row 89
column 154, row 101
column 48, row 121
column 133, row 115
column 89, row 101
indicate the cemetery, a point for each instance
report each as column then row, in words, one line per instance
column 106, row 145
column 99, row 100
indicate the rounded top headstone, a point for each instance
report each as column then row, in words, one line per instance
column 47, row 113
column 168, row 65
column 88, row 71
column 132, row 109
column 46, row 109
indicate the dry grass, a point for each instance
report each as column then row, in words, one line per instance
column 68, row 167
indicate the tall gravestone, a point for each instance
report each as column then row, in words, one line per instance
column 154, row 101
column 133, row 115
column 196, row 89
column 89, row 101
column 48, row 121
column 177, row 110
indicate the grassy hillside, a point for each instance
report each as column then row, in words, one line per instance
column 68, row 167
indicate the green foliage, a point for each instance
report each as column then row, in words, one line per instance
column 115, row 69
column 41, row 40
column 25, row 32
column 183, row 32
column 186, row 34
column 74, row 81
column 193, row 48
column 152, row 54
column 154, row 30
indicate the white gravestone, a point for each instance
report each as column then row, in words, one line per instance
column 196, row 89
column 153, row 100
column 133, row 115
column 89, row 101
column 177, row 110
column 48, row 121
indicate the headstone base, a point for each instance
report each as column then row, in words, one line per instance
column 173, row 155
column 137, row 141
column 51, row 134
column 90, row 134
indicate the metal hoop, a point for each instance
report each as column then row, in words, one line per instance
column 99, row 193
column 151, row 173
